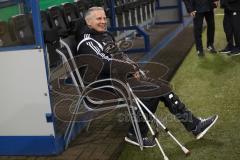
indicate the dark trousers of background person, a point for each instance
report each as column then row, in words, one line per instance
column 235, row 20
column 228, row 28
column 198, row 27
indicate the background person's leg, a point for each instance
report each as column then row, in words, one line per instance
column 198, row 23
column 236, row 32
column 209, row 16
column 228, row 28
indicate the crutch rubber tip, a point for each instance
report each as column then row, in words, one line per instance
column 188, row 153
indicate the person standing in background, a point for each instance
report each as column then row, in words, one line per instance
column 200, row 9
column 228, row 28
column 231, row 25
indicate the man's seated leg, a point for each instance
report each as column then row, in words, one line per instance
column 197, row 126
column 148, row 142
column 202, row 127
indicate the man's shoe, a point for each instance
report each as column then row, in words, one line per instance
column 234, row 52
column 200, row 53
column 226, row 50
column 211, row 49
column 203, row 126
column 147, row 142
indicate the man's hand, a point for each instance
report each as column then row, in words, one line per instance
column 140, row 74
column 137, row 75
column 193, row 13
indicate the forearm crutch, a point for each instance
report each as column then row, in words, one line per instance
column 150, row 128
column 140, row 105
column 184, row 149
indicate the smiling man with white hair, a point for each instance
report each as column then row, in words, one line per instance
column 93, row 42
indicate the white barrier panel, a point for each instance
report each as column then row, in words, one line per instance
column 24, row 95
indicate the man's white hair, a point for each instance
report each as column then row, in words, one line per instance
column 90, row 10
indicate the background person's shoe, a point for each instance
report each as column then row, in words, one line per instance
column 226, row 50
column 234, row 52
column 200, row 53
column 203, row 126
column 147, row 142
column 211, row 49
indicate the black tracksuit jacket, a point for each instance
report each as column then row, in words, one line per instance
column 92, row 43
column 199, row 5
column 232, row 5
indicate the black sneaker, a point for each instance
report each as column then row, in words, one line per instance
column 234, row 52
column 203, row 126
column 200, row 53
column 226, row 50
column 147, row 142
column 211, row 49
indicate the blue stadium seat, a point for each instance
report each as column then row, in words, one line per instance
column 70, row 13
column 21, row 29
column 82, row 6
column 57, row 21
column 5, row 38
column 51, row 39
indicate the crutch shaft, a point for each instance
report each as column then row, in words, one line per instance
column 184, row 149
column 160, row 147
column 150, row 128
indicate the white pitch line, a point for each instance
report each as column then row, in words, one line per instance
column 219, row 14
